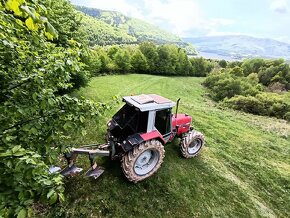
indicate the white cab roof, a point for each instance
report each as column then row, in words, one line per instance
column 149, row 102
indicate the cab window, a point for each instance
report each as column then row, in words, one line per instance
column 162, row 121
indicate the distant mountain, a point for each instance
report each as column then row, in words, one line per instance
column 136, row 30
column 240, row 47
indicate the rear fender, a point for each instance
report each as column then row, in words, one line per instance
column 137, row 139
column 153, row 135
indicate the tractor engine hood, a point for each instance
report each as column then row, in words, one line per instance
column 181, row 122
column 181, row 119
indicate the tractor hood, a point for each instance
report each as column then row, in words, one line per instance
column 181, row 119
column 181, row 122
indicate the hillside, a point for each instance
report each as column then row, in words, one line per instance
column 243, row 171
column 135, row 29
column 239, row 46
column 100, row 33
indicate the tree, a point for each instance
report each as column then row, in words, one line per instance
column 139, row 62
column 167, row 56
column 200, row 67
column 93, row 62
column 36, row 118
column 149, row 50
column 223, row 63
column 183, row 65
column 122, row 61
column 65, row 19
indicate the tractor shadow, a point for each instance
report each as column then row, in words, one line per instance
column 173, row 148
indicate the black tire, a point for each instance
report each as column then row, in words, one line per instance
column 152, row 151
column 191, row 144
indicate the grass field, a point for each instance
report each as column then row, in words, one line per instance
column 243, row 171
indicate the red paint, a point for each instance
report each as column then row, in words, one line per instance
column 152, row 135
column 182, row 122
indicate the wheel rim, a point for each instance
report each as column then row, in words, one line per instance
column 194, row 146
column 146, row 162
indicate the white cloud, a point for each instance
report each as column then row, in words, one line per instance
column 221, row 33
column 283, row 39
column 179, row 15
column 221, row 22
column 280, row 6
column 182, row 17
column 120, row 5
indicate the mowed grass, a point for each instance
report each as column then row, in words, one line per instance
column 243, row 170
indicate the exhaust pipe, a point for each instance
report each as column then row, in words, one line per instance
column 177, row 104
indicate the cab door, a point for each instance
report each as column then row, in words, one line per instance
column 163, row 123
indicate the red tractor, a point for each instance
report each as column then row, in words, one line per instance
column 137, row 134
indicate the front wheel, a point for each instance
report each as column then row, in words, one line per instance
column 191, row 144
column 143, row 161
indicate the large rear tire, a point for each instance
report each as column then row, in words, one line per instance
column 191, row 144
column 143, row 161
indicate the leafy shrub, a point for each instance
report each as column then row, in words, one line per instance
column 241, row 86
column 252, row 65
column 226, row 85
column 287, row 116
column 267, row 104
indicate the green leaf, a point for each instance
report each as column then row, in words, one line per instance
column 30, row 11
column 83, row 132
column 48, row 35
column 50, row 193
column 67, row 126
column 13, row 5
column 61, row 197
column 53, row 198
column 30, row 24
column 22, row 213
column 50, row 29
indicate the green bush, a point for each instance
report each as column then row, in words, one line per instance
column 287, row 116
column 242, row 84
column 226, row 84
column 200, row 67
column 267, row 104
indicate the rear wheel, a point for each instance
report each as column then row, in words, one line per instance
column 191, row 144
column 143, row 161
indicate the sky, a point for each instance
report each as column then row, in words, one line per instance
column 194, row 18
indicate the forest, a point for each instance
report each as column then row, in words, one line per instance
column 49, row 50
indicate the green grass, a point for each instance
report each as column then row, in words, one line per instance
column 243, row 171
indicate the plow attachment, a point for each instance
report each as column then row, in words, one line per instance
column 71, row 169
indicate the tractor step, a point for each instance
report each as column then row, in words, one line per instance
column 71, row 170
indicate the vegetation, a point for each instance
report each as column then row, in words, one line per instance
column 243, row 171
column 39, row 64
column 151, row 59
column 98, row 32
column 249, row 86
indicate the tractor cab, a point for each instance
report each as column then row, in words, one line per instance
column 142, row 114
